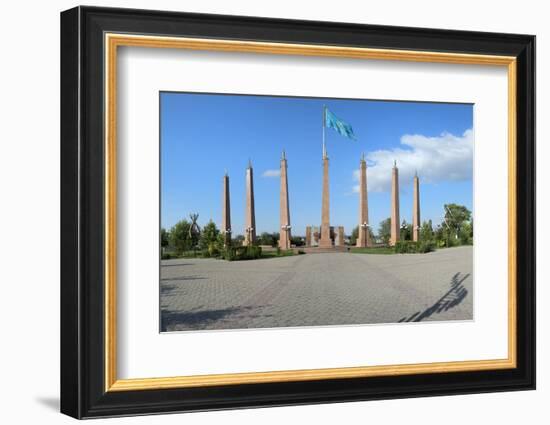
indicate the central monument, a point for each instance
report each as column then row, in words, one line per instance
column 328, row 236
column 325, row 240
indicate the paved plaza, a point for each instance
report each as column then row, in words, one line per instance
column 316, row 289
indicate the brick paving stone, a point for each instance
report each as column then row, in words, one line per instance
column 316, row 290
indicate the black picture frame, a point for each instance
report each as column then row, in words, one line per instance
column 83, row 392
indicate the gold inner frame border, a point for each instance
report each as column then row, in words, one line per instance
column 113, row 40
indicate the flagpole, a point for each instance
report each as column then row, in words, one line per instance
column 324, row 122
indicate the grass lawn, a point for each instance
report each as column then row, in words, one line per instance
column 273, row 254
column 385, row 250
column 198, row 254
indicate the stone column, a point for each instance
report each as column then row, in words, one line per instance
column 339, row 239
column 308, row 236
column 394, row 205
column 325, row 241
column 226, row 212
column 363, row 238
column 416, row 209
column 284, row 208
column 250, row 219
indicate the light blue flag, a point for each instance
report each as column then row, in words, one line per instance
column 341, row 127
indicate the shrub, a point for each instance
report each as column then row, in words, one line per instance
column 252, row 252
column 404, row 247
column 213, row 250
column 410, row 247
column 452, row 241
column 424, row 246
column 166, row 256
column 229, row 254
column 241, row 253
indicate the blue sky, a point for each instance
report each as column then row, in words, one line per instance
column 202, row 135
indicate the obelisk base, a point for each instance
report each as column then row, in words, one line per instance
column 325, row 241
column 363, row 239
column 284, row 240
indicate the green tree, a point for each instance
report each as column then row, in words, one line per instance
column 209, row 236
column 466, row 234
column 354, row 235
column 405, row 233
column 297, row 241
column 164, row 237
column 237, row 240
column 270, row 239
column 444, row 236
column 384, row 231
column 371, row 234
column 180, row 238
column 456, row 217
column 426, row 231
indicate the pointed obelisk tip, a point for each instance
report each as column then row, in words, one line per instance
column 363, row 156
column 283, row 156
column 225, row 173
column 416, row 173
column 394, row 163
column 249, row 163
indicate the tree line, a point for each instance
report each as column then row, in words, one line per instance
column 456, row 229
column 209, row 241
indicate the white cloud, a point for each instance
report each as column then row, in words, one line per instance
column 436, row 159
column 271, row 173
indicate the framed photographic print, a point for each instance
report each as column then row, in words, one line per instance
column 261, row 212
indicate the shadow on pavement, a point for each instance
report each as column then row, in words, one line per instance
column 165, row 279
column 195, row 320
column 452, row 298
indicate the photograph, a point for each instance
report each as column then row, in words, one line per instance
column 282, row 212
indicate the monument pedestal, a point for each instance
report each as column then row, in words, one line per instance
column 325, row 241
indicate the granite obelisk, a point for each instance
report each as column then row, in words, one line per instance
column 394, row 226
column 363, row 237
column 284, row 214
column 226, row 213
column 250, row 219
column 416, row 209
column 325, row 241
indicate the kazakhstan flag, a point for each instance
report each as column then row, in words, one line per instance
column 341, row 127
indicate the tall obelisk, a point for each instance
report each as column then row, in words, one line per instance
column 416, row 208
column 250, row 223
column 363, row 238
column 394, row 235
column 284, row 239
column 325, row 241
column 226, row 212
